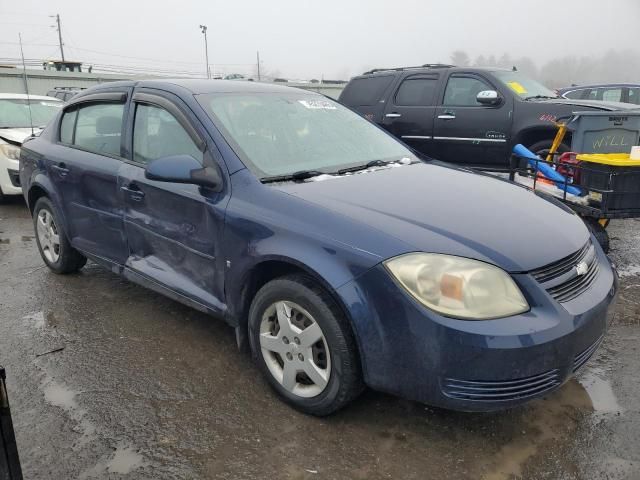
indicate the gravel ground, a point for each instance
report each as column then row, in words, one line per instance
column 146, row 388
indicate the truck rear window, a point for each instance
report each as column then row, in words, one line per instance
column 365, row 91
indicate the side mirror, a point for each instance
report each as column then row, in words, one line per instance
column 488, row 97
column 184, row 169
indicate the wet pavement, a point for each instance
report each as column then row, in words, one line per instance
column 109, row 380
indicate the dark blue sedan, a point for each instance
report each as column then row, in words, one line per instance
column 338, row 256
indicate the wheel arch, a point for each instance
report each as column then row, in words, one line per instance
column 535, row 134
column 262, row 272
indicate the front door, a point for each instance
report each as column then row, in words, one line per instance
column 409, row 111
column 84, row 166
column 173, row 229
column 468, row 132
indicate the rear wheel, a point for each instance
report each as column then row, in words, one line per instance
column 599, row 231
column 542, row 148
column 304, row 345
column 55, row 249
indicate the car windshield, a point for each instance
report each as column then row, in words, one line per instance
column 14, row 113
column 524, row 86
column 282, row 133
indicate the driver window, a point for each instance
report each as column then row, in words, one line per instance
column 462, row 91
column 157, row 134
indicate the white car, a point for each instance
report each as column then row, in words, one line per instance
column 16, row 119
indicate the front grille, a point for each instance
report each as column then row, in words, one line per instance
column 14, row 177
column 562, row 280
column 556, row 269
column 583, row 357
column 500, row 391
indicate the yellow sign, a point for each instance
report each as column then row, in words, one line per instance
column 517, row 87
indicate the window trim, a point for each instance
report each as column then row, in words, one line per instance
column 475, row 77
column 98, row 98
column 166, row 104
column 419, row 76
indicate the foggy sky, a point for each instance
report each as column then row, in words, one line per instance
column 309, row 39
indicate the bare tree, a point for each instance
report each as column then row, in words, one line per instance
column 460, row 58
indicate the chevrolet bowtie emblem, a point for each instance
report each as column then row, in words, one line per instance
column 582, row 268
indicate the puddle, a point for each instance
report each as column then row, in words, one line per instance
column 600, row 392
column 60, row 396
column 124, row 461
column 36, row 319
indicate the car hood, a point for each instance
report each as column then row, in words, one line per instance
column 431, row 208
column 17, row 135
column 596, row 104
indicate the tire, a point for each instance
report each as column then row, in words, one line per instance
column 598, row 231
column 2, row 196
column 542, row 148
column 60, row 257
column 301, row 302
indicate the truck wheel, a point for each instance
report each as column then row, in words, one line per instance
column 598, row 231
column 542, row 148
column 304, row 345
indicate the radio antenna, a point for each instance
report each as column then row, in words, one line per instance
column 26, row 84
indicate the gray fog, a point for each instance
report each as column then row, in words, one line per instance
column 331, row 38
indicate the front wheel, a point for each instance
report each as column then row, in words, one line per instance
column 304, row 345
column 542, row 148
column 598, row 231
column 55, row 249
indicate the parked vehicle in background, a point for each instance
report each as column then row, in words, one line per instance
column 18, row 112
column 464, row 115
column 64, row 93
column 340, row 256
column 236, row 76
column 611, row 92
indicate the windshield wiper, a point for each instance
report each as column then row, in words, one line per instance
column 533, row 97
column 372, row 163
column 301, row 175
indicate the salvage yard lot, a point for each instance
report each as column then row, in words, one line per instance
column 146, row 388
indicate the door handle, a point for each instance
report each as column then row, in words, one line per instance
column 447, row 116
column 134, row 192
column 61, row 169
column 393, row 115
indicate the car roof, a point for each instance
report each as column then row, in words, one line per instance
column 24, row 96
column 599, row 85
column 201, row 86
column 429, row 69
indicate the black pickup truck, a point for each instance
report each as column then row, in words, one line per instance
column 472, row 116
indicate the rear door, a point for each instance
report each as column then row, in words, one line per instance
column 468, row 132
column 367, row 96
column 173, row 230
column 409, row 111
column 84, row 165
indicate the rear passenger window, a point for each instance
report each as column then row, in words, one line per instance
column 415, row 92
column 634, row 96
column 98, row 127
column 612, row 94
column 157, row 134
column 574, row 95
column 67, row 125
column 365, row 91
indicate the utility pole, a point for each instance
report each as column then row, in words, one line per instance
column 258, row 58
column 57, row 17
column 203, row 28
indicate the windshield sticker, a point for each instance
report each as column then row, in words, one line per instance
column 51, row 104
column 517, row 87
column 318, row 104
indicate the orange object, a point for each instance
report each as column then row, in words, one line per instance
column 451, row 286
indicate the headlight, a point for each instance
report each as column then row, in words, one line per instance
column 10, row 151
column 458, row 287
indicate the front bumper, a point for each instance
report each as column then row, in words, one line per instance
column 412, row 352
column 9, row 176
